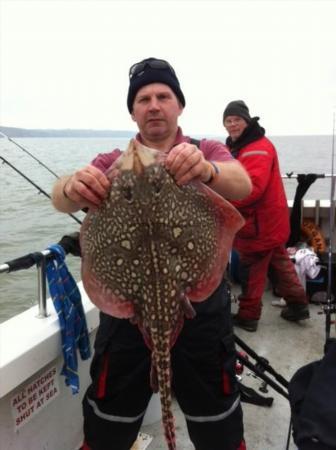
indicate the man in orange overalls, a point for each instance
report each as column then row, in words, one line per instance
column 261, row 242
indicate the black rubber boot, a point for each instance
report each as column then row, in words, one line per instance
column 245, row 324
column 295, row 312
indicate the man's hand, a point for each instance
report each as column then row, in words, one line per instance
column 186, row 162
column 87, row 187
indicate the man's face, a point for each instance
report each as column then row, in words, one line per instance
column 156, row 110
column 235, row 125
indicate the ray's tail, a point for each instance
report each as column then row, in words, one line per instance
column 162, row 368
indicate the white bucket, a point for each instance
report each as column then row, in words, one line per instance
column 153, row 413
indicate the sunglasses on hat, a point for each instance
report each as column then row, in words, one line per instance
column 138, row 68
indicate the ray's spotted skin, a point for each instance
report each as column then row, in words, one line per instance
column 150, row 249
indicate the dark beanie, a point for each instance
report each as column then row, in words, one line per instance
column 237, row 108
column 151, row 74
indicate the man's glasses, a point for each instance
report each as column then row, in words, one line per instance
column 139, row 67
column 235, row 121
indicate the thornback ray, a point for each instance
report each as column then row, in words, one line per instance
column 150, row 249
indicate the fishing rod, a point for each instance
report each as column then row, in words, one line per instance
column 330, row 307
column 28, row 153
column 34, row 184
column 41, row 163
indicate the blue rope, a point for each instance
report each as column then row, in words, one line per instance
column 67, row 302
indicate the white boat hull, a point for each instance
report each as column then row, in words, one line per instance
column 30, row 368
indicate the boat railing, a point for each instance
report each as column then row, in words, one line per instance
column 293, row 175
column 38, row 259
column 317, row 210
column 69, row 243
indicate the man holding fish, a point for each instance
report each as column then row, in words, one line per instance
column 130, row 359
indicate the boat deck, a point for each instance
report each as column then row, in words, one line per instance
column 287, row 346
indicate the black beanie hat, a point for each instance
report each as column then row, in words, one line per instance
column 152, row 70
column 237, row 108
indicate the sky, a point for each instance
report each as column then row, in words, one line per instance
column 64, row 64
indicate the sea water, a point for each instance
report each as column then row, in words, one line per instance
column 29, row 223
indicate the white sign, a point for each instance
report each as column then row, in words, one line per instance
column 34, row 397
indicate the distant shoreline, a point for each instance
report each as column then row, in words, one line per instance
column 13, row 132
